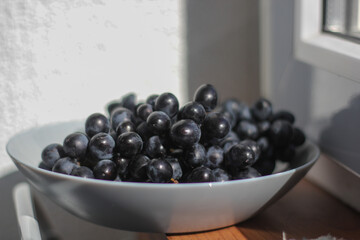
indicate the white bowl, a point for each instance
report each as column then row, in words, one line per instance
column 150, row 207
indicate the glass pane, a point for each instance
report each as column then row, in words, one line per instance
column 342, row 17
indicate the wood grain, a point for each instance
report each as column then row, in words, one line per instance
column 230, row 233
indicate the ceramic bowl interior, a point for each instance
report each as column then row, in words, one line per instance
column 150, row 207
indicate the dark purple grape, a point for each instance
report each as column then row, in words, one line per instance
column 112, row 106
column 206, row 95
column 194, row 111
column 75, row 145
column 144, row 110
column 154, row 148
column 64, row 165
column 247, row 130
column 232, row 106
column 185, row 133
column 97, row 123
column 298, row 137
column 285, row 153
column 120, row 115
column 105, row 170
column 230, row 137
column 215, row 125
column 195, row 156
column 254, row 146
column 265, row 166
column 283, row 115
column 83, row 172
column 201, row 174
column 152, row 99
column 129, row 101
column 239, row 156
column 167, row 103
column 143, row 130
column 229, row 145
column 44, row 166
column 51, row 153
column 245, row 113
column 262, row 109
column 129, row 144
column 176, row 167
column 138, row 168
column 158, row 122
column 214, row 157
column 101, row 146
column 263, row 143
column 125, row 126
column 220, row 175
column 263, row 127
column 246, row 173
column 281, row 133
column 159, row 171
column 122, row 166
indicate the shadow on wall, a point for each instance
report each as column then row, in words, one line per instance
column 341, row 138
column 222, row 47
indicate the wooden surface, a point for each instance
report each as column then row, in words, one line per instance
column 306, row 212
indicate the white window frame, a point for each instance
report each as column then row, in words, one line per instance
column 323, row 50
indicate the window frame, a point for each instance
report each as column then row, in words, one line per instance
column 321, row 49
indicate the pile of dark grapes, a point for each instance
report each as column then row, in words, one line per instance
column 157, row 141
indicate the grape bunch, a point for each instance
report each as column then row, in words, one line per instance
column 158, row 141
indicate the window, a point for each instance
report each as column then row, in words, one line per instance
column 320, row 49
column 342, row 18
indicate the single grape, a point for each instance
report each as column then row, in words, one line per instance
column 105, row 170
column 154, row 148
column 138, row 168
column 254, row 146
column 185, row 133
column 152, row 99
column 220, row 175
column 195, row 156
column 201, row 174
column 239, row 156
column 83, row 172
column 206, row 95
column 283, row 115
column 129, row 101
column 75, row 145
column 215, row 125
column 159, row 170
column 214, row 157
column 122, row 166
column 101, row 146
column 194, row 111
column 158, row 122
column 245, row 173
column 176, row 167
column 262, row 109
column 298, row 137
column 125, row 126
column 281, row 133
column 64, row 165
column 51, row 153
column 167, row 103
column 144, row 110
column 129, row 144
column 96, row 123
column 247, row 130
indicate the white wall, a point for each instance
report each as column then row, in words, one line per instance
column 63, row 60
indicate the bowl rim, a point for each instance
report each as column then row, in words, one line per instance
column 90, row 181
